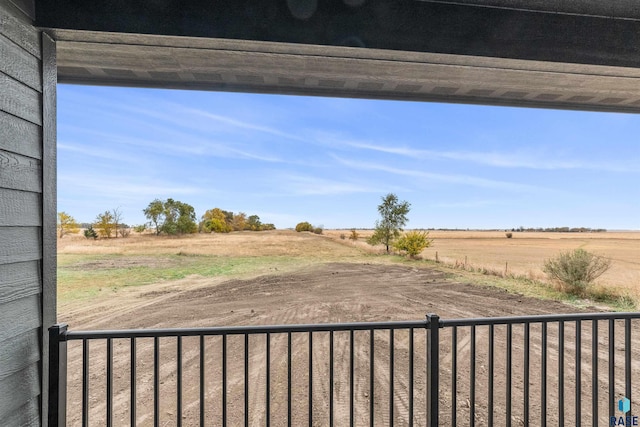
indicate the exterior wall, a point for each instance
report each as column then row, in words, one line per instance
column 27, row 278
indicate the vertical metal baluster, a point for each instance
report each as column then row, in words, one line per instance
column 352, row 386
column 454, row 376
column 410, row 377
column 246, row 379
column 224, row 380
column 109, row 382
column 561, row 373
column 432, row 331
column 289, row 379
column 331, row 378
column 491, row 369
column 267, row 396
column 543, row 380
column 472, row 378
column 612, row 367
column 527, row 331
column 509, row 374
column 202, row 381
column 627, row 361
column 371, row 374
column 578, row 403
column 391, row 391
column 85, row 383
column 179, row 381
column 310, row 379
column 594, row 372
column 156, row 381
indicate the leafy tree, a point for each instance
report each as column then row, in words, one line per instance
column 215, row 221
column 105, row 224
column 304, row 226
column 179, row 218
column 413, row 242
column 66, row 224
column 576, row 270
column 90, row 233
column 155, row 213
column 394, row 217
column 253, row 223
column 239, row 221
column 171, row 217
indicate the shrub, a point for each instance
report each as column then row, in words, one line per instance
column 304, row 226
column 140, row 228
column 413, row 242
column 354, row 235
column 317, row 230
column 509, row 235
column 576, row 270
column 124, row 232
column 343, row 236
column 90, row 233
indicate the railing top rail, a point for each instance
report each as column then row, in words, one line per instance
column 239, row 330
column 541, row 318
column 326, row 327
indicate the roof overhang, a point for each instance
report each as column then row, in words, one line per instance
column 422, row 51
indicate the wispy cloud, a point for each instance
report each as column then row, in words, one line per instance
column 303, row 185
column 123, row 187
column 495, row 159
column 90, row 151
column 436, row 177
column 191, row 145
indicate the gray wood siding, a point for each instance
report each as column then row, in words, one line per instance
column 20, row 136
column 27, row 415
column 19, row 208
column 21, row 216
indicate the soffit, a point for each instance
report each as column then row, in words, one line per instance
column 106, row 58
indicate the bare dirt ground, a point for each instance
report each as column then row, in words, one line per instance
column 330, row 292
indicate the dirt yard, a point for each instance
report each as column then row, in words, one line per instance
column 326, row 292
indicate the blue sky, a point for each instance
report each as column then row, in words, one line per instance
column 329, row 160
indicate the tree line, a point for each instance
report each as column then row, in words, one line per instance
column 169, row 217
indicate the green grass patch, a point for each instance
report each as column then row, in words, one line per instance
column 83, row 276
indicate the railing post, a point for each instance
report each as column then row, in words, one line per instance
column 433, row 368
column 57, row 376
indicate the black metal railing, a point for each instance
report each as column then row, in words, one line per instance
column 568, row 369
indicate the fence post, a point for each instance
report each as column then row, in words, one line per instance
column 433, row 368
column 57, row 376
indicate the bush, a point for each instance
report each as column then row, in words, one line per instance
column 140, row 228
column 90, row 233
column 413, row 242
column 576, row 270
column 304, row 226
column 124, row 232
column 343, row 236
column 317, row 230
column 509, row 235
column 354, row 235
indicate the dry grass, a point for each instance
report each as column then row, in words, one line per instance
column 525, row 253
column 522, row 256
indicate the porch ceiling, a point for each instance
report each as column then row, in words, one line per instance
column 569, row 59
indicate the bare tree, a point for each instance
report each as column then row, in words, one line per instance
column 116, row 214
